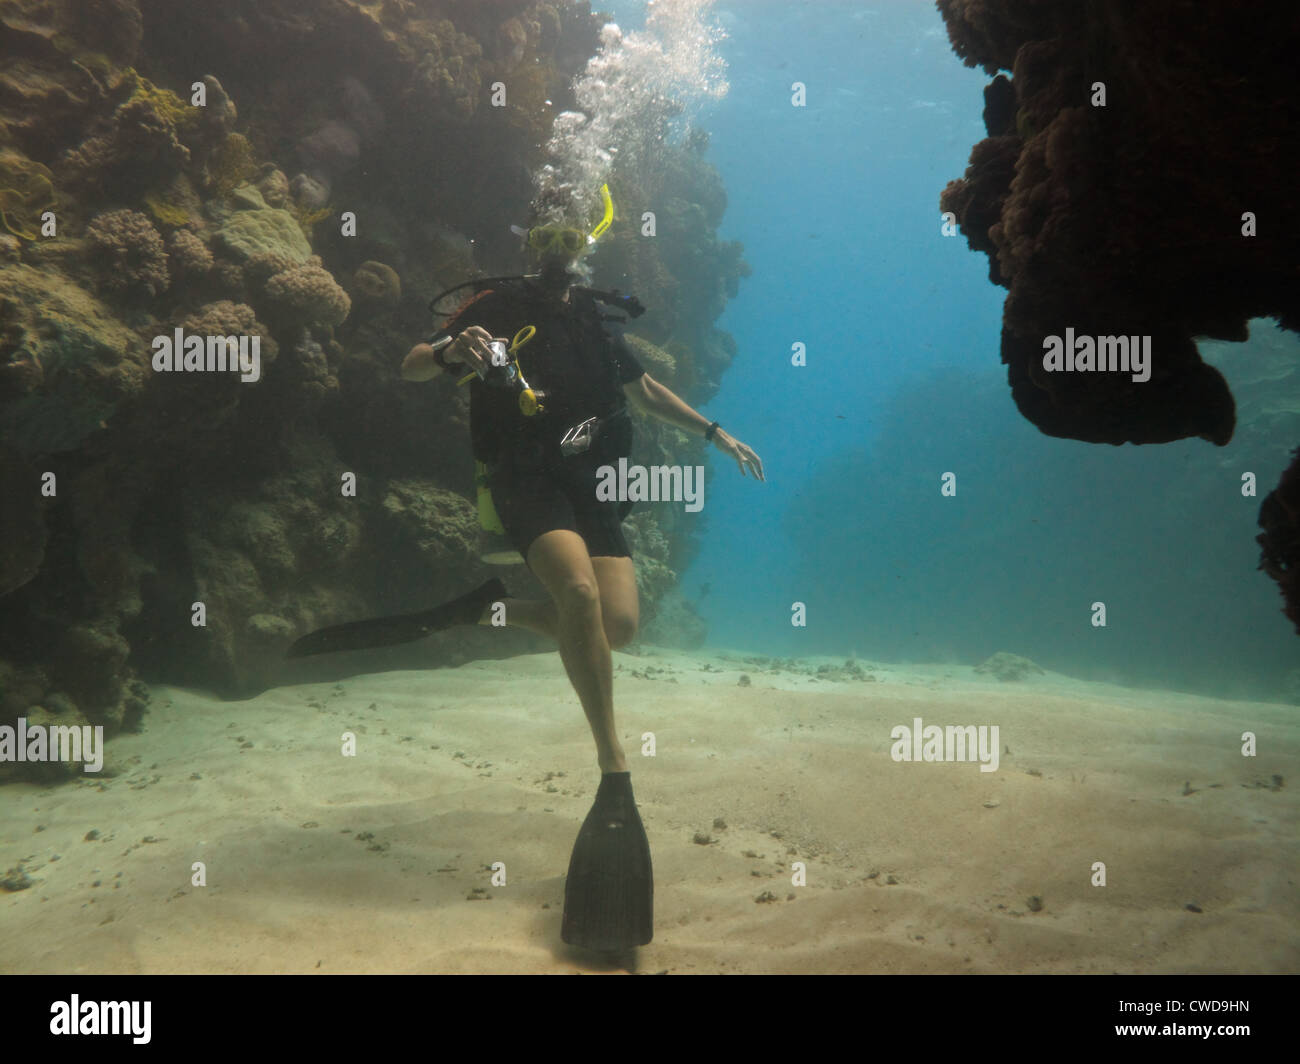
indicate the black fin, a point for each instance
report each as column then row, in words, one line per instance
column 403, row 628
column 609, row 893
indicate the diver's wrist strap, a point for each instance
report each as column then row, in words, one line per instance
column 708, row 433
column 439, row 356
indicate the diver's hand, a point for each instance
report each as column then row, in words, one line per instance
column 419, row 364
column 471, row 349
column 744, row 456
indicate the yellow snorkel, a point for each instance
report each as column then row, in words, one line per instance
column 605, row 222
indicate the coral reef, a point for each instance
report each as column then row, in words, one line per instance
column 215, row 130
column 175, row 205
column 377, row 285
column 51, row 74
column 248, row 548
column 231, row 164
column 225, row 318
column 114, row 27
column 136, row 146
column 446, row 72
column 26, row 191
column 440, row 525
column 170, row 108
column 309, row 367
column 187, row 255
column 247, row 234
column 1097, row 215
column 1154, row 213
column 134, row 258
column 309, row 193
column 274, row 187
column 49, row 322
column 306, row 295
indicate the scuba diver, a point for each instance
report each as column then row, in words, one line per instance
column 542, row 466
column 550, row 385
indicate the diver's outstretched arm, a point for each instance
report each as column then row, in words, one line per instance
column 649, row 396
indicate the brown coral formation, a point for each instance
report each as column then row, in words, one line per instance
column 1160, row 212
column 131, row 252
column 377, row 284
column 274, row 187
column 63, row 366
column 306, row 295
column 1127, row 219
column 26, row 193
column 187, row 255
column 136, row 146
column 226, row 318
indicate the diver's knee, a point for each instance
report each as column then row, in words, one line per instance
column 619, row 630
column 577, row 596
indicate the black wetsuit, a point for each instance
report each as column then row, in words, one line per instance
column 581, row 366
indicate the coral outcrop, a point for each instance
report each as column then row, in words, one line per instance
column 72, row 354
column 187, row 255
column 442, row 526
column 306, row 295
column 227, row 318
column 131, row 251
column 247, row 234
column 1094, row 215
column 26, row 192
column 1129, row 187
column 139, row 145
column 377, row 285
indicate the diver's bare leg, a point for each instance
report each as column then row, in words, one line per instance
column 619, row 609
column 560, row 561
column 534, row 614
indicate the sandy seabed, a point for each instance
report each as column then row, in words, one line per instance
column 316, row 862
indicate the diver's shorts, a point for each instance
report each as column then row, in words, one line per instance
column 534, row 495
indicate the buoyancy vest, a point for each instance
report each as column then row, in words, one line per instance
column 570, row 360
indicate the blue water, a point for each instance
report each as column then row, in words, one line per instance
column 837, row 206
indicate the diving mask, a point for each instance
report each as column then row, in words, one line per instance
column 557, row 239
column 567, row 239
